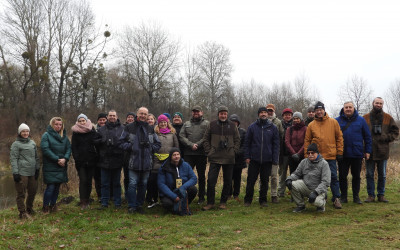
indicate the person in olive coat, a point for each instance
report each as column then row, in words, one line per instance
column 56, row 149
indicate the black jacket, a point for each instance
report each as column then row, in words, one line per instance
column 83, row 148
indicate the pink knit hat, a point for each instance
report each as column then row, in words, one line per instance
column 162, row 118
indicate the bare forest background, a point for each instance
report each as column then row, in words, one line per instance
column 55, row 60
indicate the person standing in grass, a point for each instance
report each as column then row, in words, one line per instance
column 25, row 166
column 294, row 141
column 56, row 150
column 310, row 180
column 261, row 152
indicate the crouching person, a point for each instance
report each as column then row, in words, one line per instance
column 311, row 179
column 176, row 184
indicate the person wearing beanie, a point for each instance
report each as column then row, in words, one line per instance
column 167, row 136
column 310, row 115
column 284, row 157
column 274, row 170
column 191, row 140
column 221, row 143
column 130, row 117
column 177, row 183
column 168, row 116
column 240, row 162
column 310, row 180
column 101, row 120
column 85, row 156
column 24, row 159
column 294, row 141
column 261, row 152
column 177, row 123
column 326, row 133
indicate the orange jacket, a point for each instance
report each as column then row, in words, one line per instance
column 326, row 133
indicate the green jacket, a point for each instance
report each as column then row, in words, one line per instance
column 191, row 133
column 24, row 157
column 54, row 147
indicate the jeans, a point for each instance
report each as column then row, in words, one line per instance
column 381, row 167
column 51, row 194
column 334, row 179
column 200, row 162
column 213, row 172
column 110, row 177
column 355, row 165
column 137, row 187
column 254, row 170
column 168, row 204
column 126, row 180
column 283, row 167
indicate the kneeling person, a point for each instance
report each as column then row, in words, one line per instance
column 176, row 183
column 311, row 179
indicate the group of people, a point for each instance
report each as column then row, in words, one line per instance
column 158, row 156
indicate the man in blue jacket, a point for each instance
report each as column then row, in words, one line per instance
column 357, row 145
column 261, row 151
column 176, row 183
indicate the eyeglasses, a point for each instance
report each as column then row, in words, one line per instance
column 270, row 110
column 311, row 153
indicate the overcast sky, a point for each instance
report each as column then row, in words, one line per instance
column 275, row 41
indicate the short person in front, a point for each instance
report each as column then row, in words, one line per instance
column 176, row 183
column 310, row 180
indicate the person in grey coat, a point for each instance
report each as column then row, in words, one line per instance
column 311, row 179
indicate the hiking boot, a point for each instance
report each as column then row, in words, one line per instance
column 247, row 204
column 222, row 206
column 24, row 215
column 357, row 200
column 370, row 199
column 321, row 209
column 274, row 199
column 53, row 208
column 208, row 207
column 264, row 204
column 30, row 211
column 299, row 209
column 381, row 198
column 84, row 204
column 45, row 209
column 236, row 198
column 337, row 204
column 131, row 210
column 343, row 199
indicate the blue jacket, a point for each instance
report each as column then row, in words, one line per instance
column 262, row 142
column 357, row 137
column 167, row 175
column 140, row 141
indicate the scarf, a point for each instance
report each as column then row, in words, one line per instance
column 82, row 129
column 165, row 130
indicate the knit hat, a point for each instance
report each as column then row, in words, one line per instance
column 271, row 106
column 298, row 115
column 162, row 118
column 132, row 114
column 287, row 110
column 178, row 113
column 310, row 109
column 223, row 108
column 173, row 150
column 21, row 127
column 167, row 115
column 262, row 109
column 312, row 147
column 319, row 105
column 234, row 118
column 102, row 115
column 82, row 116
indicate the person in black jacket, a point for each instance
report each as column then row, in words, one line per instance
column 111, row 159
column 84, row 153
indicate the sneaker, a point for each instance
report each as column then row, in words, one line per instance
column 299, row 209
column 247, row 204
column 381, row 198
column 264, row 204
column 208, row 207
column 370, row 199
column 357, row 200
column 337, row 204
column 131, row 210
column 343, row 199
column 321, row 209
column 274, row 199
column 140, row 210
column 152, row 204
column 222, row 206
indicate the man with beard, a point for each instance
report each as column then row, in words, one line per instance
column 310, row 115
column 384, row 131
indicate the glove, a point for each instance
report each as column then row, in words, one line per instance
column 339, row 158
column 296, row 157
column 313, row 195
column 36, row 174
column 289, row 184
column 17, row 178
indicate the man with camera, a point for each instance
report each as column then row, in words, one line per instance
column 384, row 131
column 221, row 143
column 140, row 141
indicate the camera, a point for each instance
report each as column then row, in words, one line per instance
column 110, row 142
column 223, row 144
column 377, row 129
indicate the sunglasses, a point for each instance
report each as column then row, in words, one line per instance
column 270, row 110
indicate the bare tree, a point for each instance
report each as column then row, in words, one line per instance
column 357, row 90
column 190, row 77
column 393, row 99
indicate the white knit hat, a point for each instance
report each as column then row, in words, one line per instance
column 23, row 126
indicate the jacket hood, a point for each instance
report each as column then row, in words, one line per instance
column 56, row 135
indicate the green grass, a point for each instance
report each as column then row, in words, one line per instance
column 375, row 225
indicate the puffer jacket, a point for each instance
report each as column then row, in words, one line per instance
column 83, row 148
column 55, row 147
column 315, row 174
column 168, row 141
column 192, row 133
column 24, row 157
column 221, row 142
column 357, row 137
column 380, row 142
column 326, row 133
column 262, row 142
column 294, row 139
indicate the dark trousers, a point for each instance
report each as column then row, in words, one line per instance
column 110, row 178
column 152, row 188
column 126, row 180
column 85, row 174
column 236, row 180
column 355, row 165
column 50, row 195
column 255, row 168
column 213, row 172
column 97, row 181
column 168, row 204
column 200, row 162
column 293, row 164
column 27, row 184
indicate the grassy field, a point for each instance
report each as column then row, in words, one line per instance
column 369, row 226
